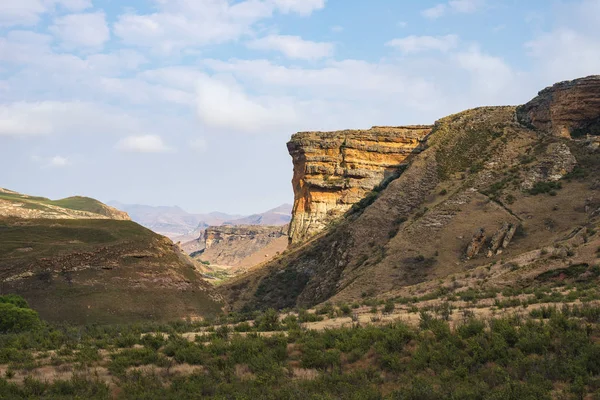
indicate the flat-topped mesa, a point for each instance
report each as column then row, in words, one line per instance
column 566, row 109
column 225, row 233
column 334, row 170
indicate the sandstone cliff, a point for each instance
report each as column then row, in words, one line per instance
column 334, row 170
column 566, row 109
column 242, row 246
column 533, row 199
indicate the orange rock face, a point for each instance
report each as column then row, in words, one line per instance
column 334, row 170
column 567, row 109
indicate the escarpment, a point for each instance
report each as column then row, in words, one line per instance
column 242, row 246
column 512, row 175
column 567, row 109
column 334, row 170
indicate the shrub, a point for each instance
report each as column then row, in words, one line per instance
column 389, row 307
column 15, row 319
column 545, row 187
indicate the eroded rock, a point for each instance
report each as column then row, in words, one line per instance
column 334, row 170
column 566, row 109
column 476, row 244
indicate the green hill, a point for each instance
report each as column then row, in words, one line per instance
column 72, row 262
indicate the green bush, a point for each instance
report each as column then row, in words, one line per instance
column 15, row 319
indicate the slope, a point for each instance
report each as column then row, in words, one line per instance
column 485, row 172
column 81, row 267
column 21, row 205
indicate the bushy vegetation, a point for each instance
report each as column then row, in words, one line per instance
column 16, row 316
column 551, row 352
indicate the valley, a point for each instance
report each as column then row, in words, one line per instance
column 459, row 260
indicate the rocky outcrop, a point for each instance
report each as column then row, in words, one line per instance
column 555, row 163
column 472, row 176
column 501, row 239
column 334, row 170
column 476, row 244
column 242, row 246
column 566, row 109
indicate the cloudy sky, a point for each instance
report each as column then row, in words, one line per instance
column 191, row 102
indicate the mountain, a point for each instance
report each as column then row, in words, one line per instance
column 183, row 226
column 278, row 216
column 80, row 261
column 172, row 222
column 504, row 193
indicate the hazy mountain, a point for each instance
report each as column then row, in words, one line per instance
column 277, row 216
column 180, row 225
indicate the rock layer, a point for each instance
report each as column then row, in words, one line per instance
column 334, row 170
column 242, row 246
column 566, row 109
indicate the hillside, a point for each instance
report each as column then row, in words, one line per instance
column 507, row 192
column 74, row 265
column 13, row 204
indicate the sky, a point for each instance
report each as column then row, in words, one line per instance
column 191, row 102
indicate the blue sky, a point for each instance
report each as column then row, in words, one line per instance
column 191, row 102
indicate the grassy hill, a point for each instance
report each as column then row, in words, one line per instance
column 74, row 263
column 17, row 204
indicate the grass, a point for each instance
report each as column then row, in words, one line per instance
column 99, row 270
column 77, row 203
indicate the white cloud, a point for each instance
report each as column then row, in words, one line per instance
column 416, row 44
column 58, row 161
column 465, row 6
column 199, row 144
column 180, row 24
column 490, row 75
column 455, row 6
column 435, row 12
column 293, row 47
column 571, row 49
column 82, row 30
column 58, row 118
column 302, row 7
column 143, row 144
column 225, row 105
column 337, row 29
column 28, row 12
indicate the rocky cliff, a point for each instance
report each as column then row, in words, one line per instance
column 243, row 246
column 530, row 193
column 566, row 109
column 334, row 170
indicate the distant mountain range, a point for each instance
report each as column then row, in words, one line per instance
column 180, row 225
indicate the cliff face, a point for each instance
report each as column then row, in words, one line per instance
column 243, row 246
column 334, row 170
column 566, row 109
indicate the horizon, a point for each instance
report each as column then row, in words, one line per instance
column 192, row 102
